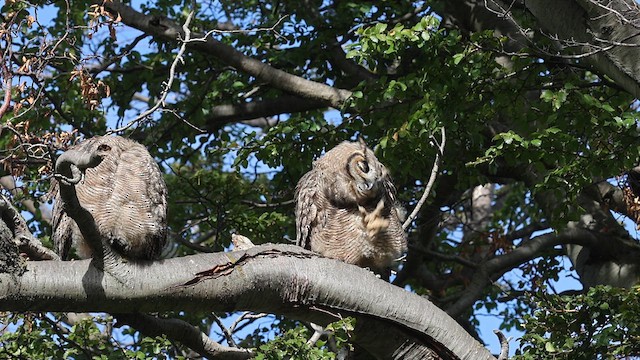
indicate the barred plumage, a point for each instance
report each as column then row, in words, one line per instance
column 346, row 208
column 127, row 196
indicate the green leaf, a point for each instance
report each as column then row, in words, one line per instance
column 457, row 58
column 549, row 347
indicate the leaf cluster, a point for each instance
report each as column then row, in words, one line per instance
column 603, row 323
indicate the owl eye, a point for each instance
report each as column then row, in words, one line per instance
column 363, row 166
column 104, row 147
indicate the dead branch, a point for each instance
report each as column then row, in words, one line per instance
column 432, row 178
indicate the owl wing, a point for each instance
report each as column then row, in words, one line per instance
column 139, row 204
column 307, row 193
column 390, row 189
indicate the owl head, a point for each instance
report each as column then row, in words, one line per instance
column 94, row 150
column 366, row 172
column 354, row 172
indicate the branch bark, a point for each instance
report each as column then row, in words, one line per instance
column 220, row 115
column 280, row 279
column 604, row 32
column 600, row 26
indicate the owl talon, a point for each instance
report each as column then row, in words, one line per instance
column 375, row 222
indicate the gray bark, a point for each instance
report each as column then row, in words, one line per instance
column 607, row 30
column 602, row 34
column 612, row 260
column 276, row 279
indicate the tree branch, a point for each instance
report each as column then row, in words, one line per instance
column 494, row 268
column 223, row 114
column 281, row 279
column 504, row 345
column 25, row 241
column 432, row 178
column 185, row 333
column 165, row 29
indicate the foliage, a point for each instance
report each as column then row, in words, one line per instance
column 600, row 324
column 293, row 343
column 40, row 336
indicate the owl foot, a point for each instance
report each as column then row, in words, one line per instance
column 374, row 221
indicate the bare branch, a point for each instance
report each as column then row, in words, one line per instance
column 166, row 29
column 289, row 280
column 432, row 178
column 504, row 345
column 5, row 68
column 7, row 76
column 227, row 333
column 220, row 115
column 185, row 333
column 169, row 83
column 492, row 269
column 247, row 315
column 25, row 241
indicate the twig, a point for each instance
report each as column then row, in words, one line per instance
column 243, row 31
column 432, row 178
column 441, row 256
column 169, row 83
column 247, row 315
column 183, row 332
column 504, row 345
column 227, row 334
column 269, row 205
column 7, row 75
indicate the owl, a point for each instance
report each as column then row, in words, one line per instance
column 346, row 209
column 126, row 195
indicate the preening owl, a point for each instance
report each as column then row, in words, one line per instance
column 126, row 195
column 346, row 208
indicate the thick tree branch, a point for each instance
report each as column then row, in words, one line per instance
column 25, row 241
column 280, row 279
column 599, row 28
column 220, row 115
column 165, row 29
column 494, row 268
column 504, row 345
column 588, row 28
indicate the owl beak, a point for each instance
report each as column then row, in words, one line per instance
column 366, row 187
